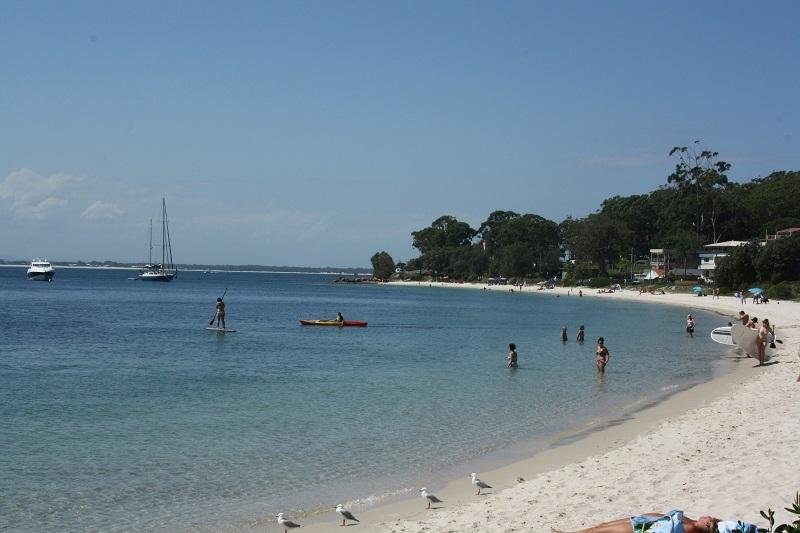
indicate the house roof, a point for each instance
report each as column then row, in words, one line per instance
column 725, row 244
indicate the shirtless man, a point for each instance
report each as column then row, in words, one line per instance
column 744, row 318
column 602, row 355
column 690, row 323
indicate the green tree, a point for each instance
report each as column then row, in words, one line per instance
column 382, row 265
column 779, row 260
column 737, row 269
column 684, row 243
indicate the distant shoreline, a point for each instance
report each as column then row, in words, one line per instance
column 197, row 269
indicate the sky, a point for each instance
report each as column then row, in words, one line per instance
column 317, row 133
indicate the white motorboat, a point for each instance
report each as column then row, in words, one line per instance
column 41, row 270
column 165, row 270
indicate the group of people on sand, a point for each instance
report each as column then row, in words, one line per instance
column 668, row 522
column 601, row 351
column 765, row 334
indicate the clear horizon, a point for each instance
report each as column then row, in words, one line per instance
column 312, row 133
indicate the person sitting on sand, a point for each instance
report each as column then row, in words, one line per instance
column 512, row 355
column 673, row 521
column 602, row 355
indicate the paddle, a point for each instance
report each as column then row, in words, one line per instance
column 215, row 313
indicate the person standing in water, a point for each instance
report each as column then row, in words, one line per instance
column 564, row 334
column 512, row 355
column 581, row 333
column 220, row 312
column 602, row 355
column 690, row 323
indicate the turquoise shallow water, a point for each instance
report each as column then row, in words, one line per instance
column 119, row 411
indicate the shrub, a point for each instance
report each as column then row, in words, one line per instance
column 782, row 291
column 599, row 283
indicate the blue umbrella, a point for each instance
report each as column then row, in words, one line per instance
column 697, row 288
column 756, row 290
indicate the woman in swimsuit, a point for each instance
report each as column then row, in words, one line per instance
column 602, row 355
column 220, row 312
column 761, row 339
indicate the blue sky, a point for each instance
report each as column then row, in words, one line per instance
column 317, row 133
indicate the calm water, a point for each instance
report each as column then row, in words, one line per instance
column 119, row 411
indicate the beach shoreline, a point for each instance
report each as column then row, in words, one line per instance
column 633, row 445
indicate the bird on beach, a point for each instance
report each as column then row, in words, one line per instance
column 428, row 496
column 478, row 483
column 345, row 514
column 285, row 523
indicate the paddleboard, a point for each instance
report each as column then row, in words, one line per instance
column 722, row 335
column 221, row 330
column 745, row 338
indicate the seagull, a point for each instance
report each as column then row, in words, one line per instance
column 428, row 496
column 478, row 483
column 345, row 514
column 285, row 523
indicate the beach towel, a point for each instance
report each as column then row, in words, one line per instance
column 672, row 522
column 729, row 526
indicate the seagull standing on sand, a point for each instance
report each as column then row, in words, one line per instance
column 428, row 496
column 345, row 514
column 478, row 483
column 285, row 523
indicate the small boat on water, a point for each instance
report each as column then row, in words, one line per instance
column 41, row 270
column 165, row 270
column 345, row 324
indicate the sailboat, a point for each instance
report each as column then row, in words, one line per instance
column 165, row 270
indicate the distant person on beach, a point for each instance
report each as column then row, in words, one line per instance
column 761, row 340
column 512, row 355
column 602, row 355
column 339, row 318
column 220, row 312
column 564, row 334
column 581, row 333
column 580, row 292
column 673, row 521
column 690, row 323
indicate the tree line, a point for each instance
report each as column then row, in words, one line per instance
column 696, row 205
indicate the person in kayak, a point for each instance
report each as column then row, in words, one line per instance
column 340, row 319
column 220, row 312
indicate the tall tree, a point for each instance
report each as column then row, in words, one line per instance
column 382, row 265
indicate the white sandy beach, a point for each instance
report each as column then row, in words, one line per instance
column 729, row 448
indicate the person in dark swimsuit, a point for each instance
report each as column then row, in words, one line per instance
column 512, row 355
column 220, row 312
column 581, row 333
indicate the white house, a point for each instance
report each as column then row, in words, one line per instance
column 711, row 253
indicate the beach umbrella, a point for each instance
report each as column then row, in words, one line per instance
column 697, row 288
column 756, row 290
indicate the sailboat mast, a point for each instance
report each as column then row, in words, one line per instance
column 163, row 231
column 150, row 256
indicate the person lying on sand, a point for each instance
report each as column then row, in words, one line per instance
column 674, row 521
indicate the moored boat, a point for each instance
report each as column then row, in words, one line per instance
column 345, row 324
column 165, row 270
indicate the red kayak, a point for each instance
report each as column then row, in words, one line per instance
column 346, row 323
